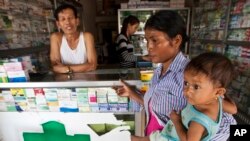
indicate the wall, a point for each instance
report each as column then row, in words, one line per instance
column 94, row 23
column 89, row 12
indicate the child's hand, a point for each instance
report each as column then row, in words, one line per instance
column 135, row 138
column 175, row 117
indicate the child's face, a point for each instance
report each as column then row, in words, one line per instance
column 199, row 89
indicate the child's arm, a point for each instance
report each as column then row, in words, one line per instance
column 135, row 138
column 229, row 105
column 195, row 130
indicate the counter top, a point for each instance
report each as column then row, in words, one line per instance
column 97, row 75
column 100, row 77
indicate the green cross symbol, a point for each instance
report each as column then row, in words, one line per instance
column 54, row 131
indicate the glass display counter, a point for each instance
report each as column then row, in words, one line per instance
column 53, row 97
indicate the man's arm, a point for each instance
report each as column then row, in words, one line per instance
column 136, row 138
column 55, row 57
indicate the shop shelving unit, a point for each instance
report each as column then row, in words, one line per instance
column 208, row 27
column 26, row 25
column 223, row 26
column 143, row 14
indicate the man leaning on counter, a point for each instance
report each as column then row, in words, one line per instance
column 71, row 50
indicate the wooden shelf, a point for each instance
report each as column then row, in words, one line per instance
column 238, row 28
column 238, row 43
column 206, row 41
column 22, row 51
column 23, row 32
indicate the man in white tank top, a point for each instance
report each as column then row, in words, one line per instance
column 71, row 50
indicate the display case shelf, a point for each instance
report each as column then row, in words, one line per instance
column 71, row 90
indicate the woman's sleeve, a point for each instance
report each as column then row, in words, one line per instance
column 224, row 129
column 126, row 52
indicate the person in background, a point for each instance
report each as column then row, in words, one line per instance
column 124, row 47
column 165, row 32
column 71, row 50
column 206, row 78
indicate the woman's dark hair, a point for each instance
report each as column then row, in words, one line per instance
column 216, row 66
column 128, row 20
column 169, row 22
column 63, row 7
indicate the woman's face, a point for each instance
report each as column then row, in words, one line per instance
column 161, row 48
column 132, row 28
column 67, row 21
